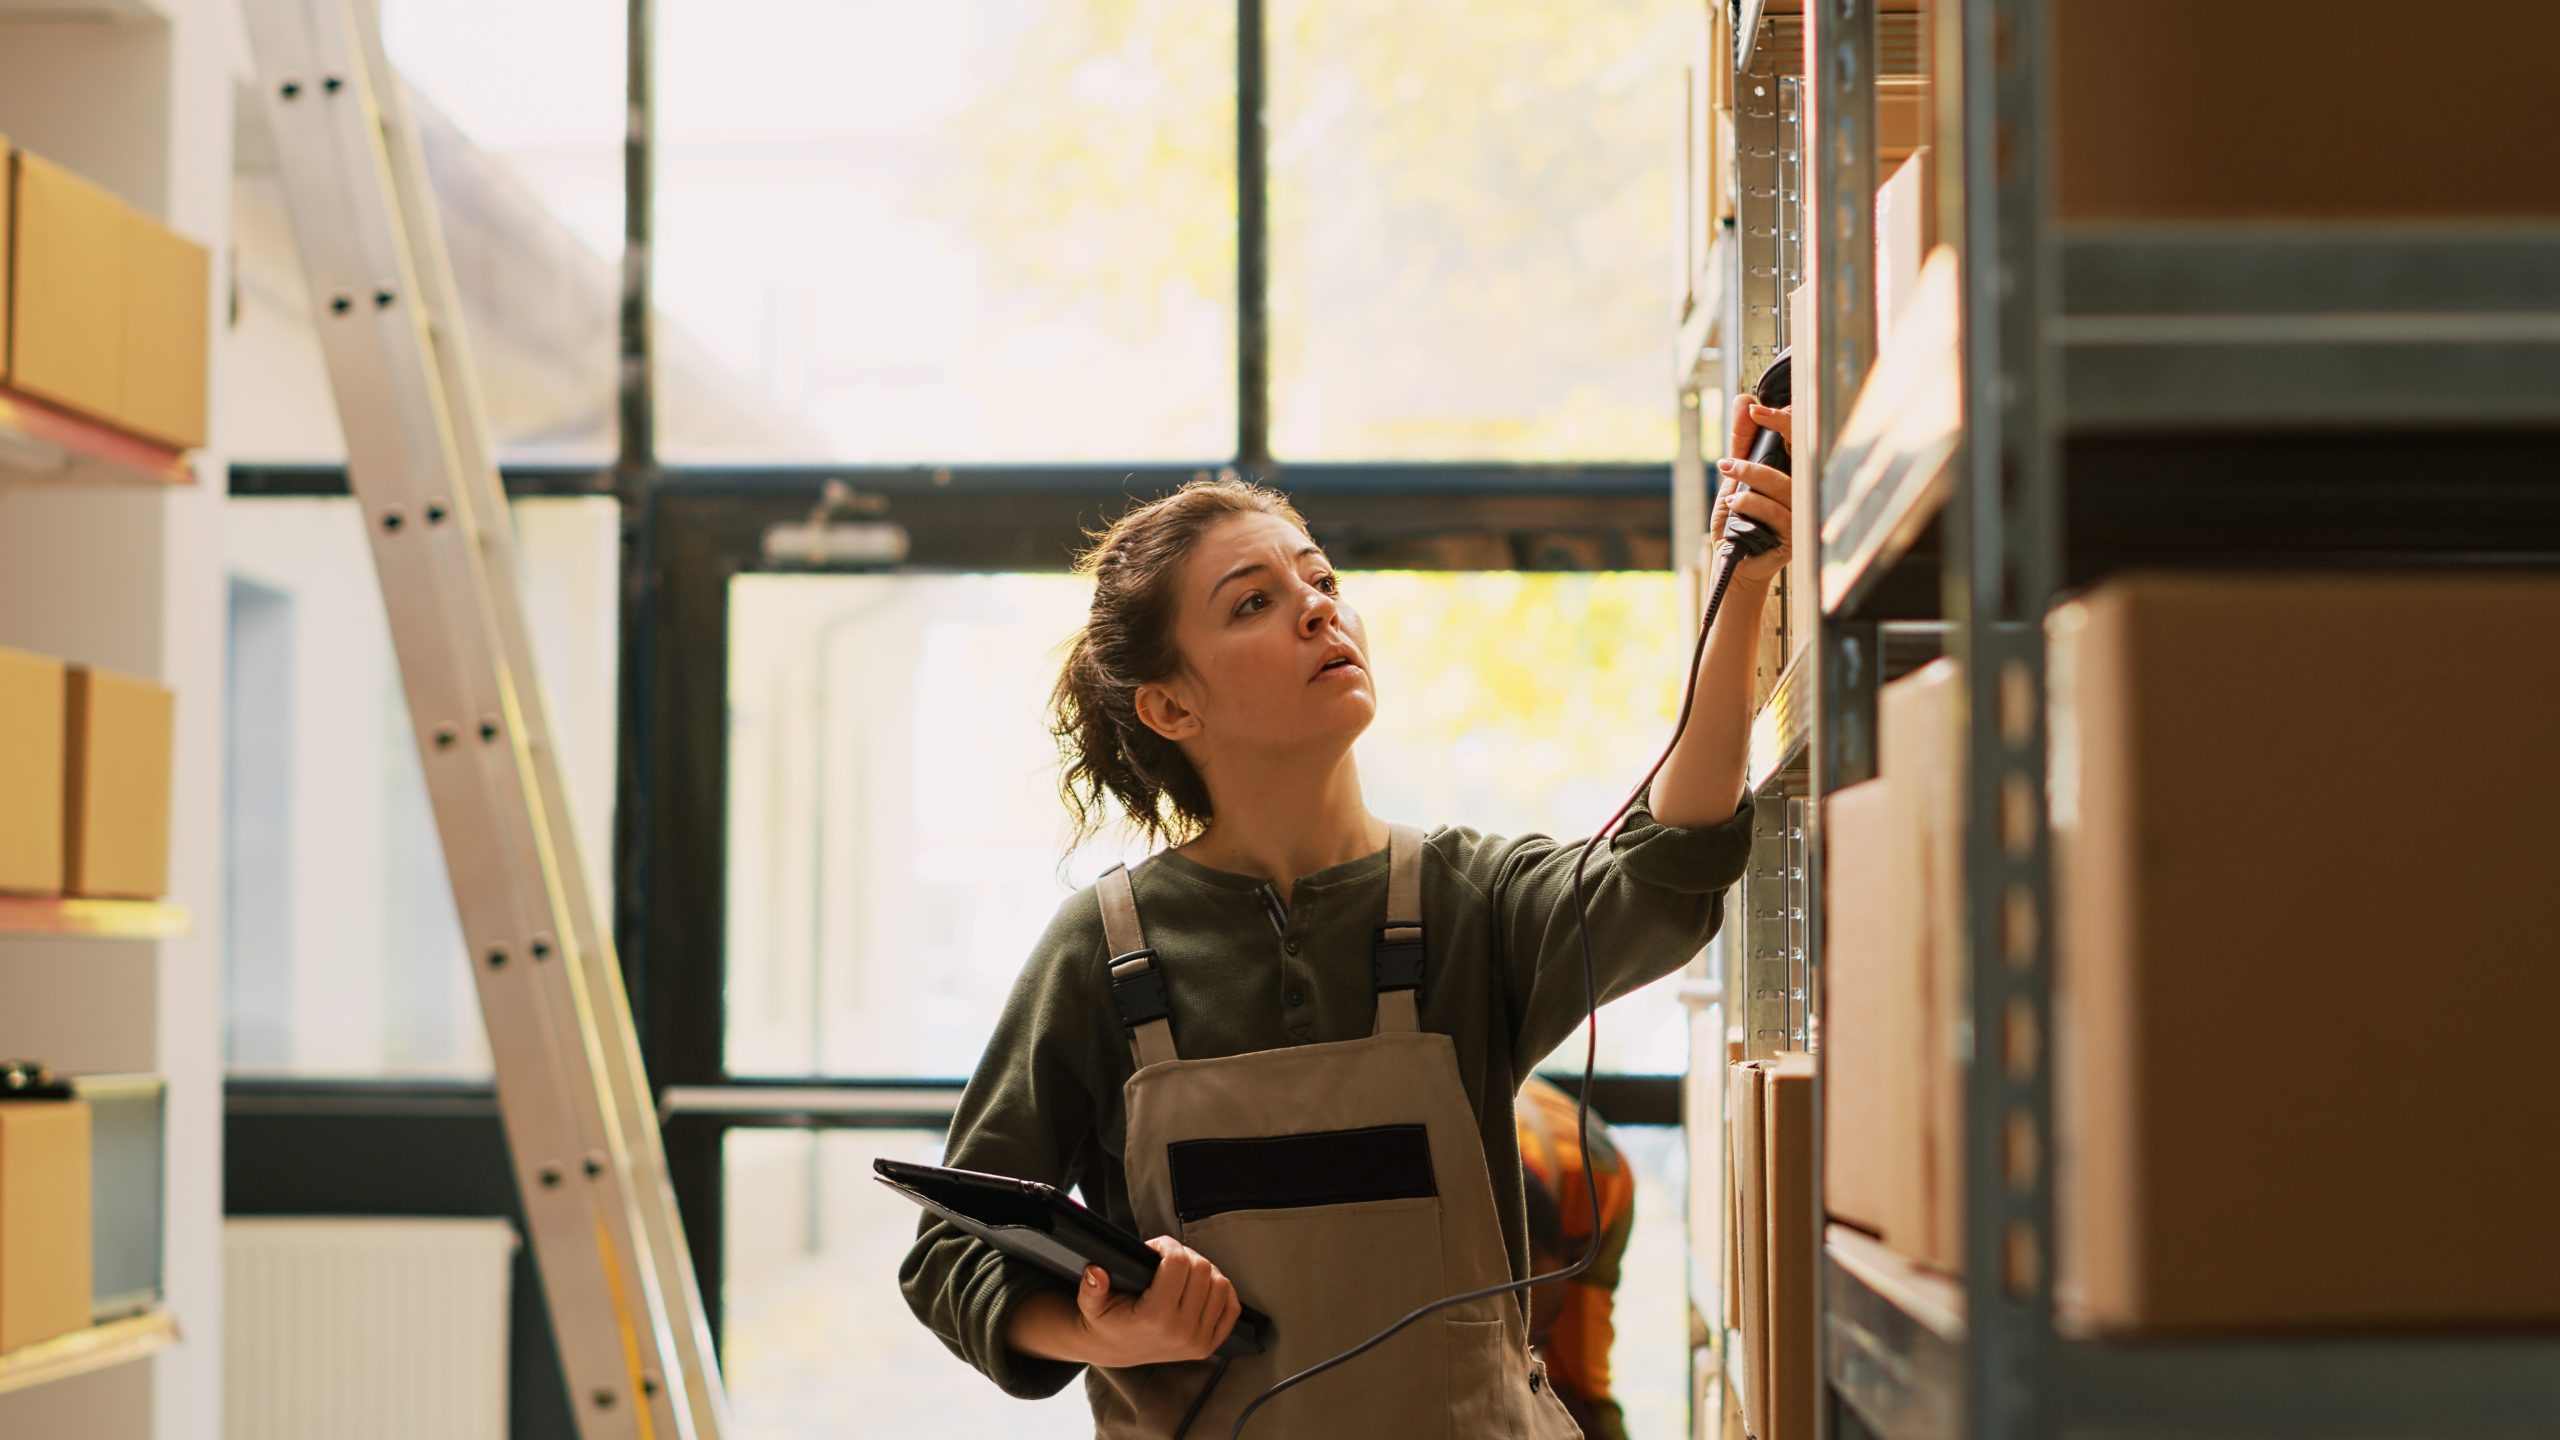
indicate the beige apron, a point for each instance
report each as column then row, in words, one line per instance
column 1339, row 1186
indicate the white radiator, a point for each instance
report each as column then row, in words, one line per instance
column 381, row 1329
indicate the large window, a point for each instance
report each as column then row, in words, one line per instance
column 976, row 230
column 342, row 954
column 1470, row 214
column 989, row 263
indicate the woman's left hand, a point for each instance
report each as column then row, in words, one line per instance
column 1759, row 494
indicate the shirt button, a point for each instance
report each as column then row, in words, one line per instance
column 1290, row 946
column 1297, row 998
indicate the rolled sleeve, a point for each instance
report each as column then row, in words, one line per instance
column 1702, row 861
column 964, row 1290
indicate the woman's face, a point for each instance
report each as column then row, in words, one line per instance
column 1272, row 657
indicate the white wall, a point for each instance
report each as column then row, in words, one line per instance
column 132, row 580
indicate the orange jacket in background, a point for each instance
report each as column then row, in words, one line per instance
column 1570, row 1322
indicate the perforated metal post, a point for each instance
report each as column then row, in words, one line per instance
column 2004, row 563
column 581, row 1131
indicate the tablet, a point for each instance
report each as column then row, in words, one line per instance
column 1044, row 1225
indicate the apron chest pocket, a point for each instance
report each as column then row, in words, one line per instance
column 1287, row 1172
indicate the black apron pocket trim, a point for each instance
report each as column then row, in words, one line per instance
column 1284, row 1172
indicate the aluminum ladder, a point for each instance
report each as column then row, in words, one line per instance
column 625, row 1308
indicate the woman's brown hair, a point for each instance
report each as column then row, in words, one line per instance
column 1110, row 756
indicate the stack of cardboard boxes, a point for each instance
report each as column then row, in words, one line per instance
column 84, row 781
column 1772, row 1263
column 2300, row 823
column 84, row 812
column 106, row 307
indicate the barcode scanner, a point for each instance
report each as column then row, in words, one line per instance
column 1769, row 448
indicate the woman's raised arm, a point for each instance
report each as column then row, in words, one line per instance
column 1701, row 782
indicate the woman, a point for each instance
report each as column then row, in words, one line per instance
column 1285, row 1048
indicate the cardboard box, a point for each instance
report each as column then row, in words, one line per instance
column 1787, row 1093
column 1920, row 746
column 31, row 773
column 119, row 732
column 1751, row 1237
column 1804, row 579
column 111, row 308
column 2235, row 109
column 166, row 276
column 1905, row 211
column 1733, row 1176
column 66, row 319
column 2305, row 834
column 44, row 1220
column 1863, row 999
column 8, row 195
column 1903, row 120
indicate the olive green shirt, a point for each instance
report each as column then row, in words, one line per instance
column 1242, row 973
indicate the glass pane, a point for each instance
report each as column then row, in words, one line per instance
column 342, row 954
column 1649, row 1362
column 817, row 1342
column 1471, row 215
column 982, row 230
column 895, row 837
column 519, row 108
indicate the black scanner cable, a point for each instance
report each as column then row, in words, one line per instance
column 1742, row 539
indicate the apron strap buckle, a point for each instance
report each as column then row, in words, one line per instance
column 1396, row 956
column 1137, row 988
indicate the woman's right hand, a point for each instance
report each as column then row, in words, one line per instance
column 1186, row 1313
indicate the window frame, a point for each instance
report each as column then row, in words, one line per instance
column 688, row 531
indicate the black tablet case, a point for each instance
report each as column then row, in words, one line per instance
column 1045, row 1226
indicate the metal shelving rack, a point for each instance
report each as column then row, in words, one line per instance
column 2082, row 346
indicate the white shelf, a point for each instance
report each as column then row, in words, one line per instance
column 45, row 442
column 85, row 12
column 93, row 919
column 82, row 1351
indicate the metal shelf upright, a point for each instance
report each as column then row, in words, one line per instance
column 2028, row 348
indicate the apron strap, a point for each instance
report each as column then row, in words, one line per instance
column 1396, row 958
column 1137, row 987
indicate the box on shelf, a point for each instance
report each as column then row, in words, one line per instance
column 116, row 836
column 1804, row 580
column 165, row 341
column 1905, row 212
column 2302, row 824
column 1863, row 992
column 1743, row 1086
column 1920, row 745
column 2240, row 109
column 66, row 320
column 1902, row 118
column 8, row 195
column 31, row 773
column 1737, row 1096
column 44, row 1220
column 110, row 307
column 1794, row 1244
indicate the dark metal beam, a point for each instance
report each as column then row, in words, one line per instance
column 1253, row 249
